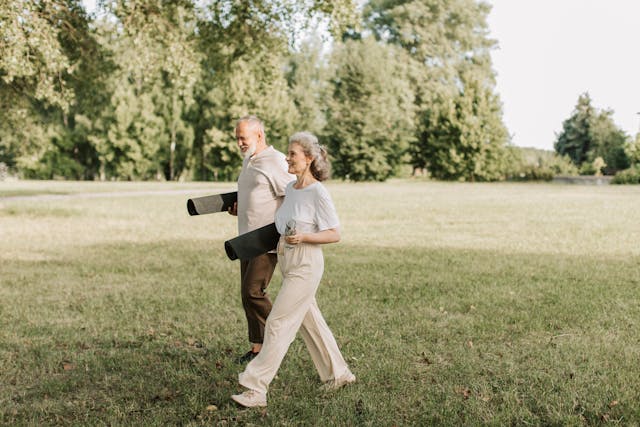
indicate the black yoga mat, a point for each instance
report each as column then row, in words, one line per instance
column 253, row 243
column 212, row 204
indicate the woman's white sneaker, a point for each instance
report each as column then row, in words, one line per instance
column 251, row 399
column 345, row 379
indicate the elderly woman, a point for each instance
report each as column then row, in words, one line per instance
column 306, row 220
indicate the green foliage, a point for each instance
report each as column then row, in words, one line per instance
column 158, row 67
column 370, row 111
column 627, row 176
column 465, row 141
column 308, row 78
column 460, row 134
column 574, row 140
column 121, row 90
column 533, row 173
column 608, row 144
column 589, row 134
column 593, row 168
column 531, row 164
column 632, row 150
column 248, row 69
column 45, row 47
column 151, row 89
column 32, row 59
column 134, row 136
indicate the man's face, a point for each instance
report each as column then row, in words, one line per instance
column 247, row 136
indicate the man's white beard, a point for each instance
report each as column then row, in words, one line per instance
column 250, row 151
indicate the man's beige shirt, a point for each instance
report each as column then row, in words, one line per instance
column 261, row 186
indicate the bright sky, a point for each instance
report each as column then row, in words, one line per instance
column 551, row 51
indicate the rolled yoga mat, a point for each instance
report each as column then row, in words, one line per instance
column 254, row 243
column 212, row 204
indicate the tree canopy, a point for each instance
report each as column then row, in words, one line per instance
column 149, row 89
column 590, row 134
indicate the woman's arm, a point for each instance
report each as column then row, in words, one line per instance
column 332, row 235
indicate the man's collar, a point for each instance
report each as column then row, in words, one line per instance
column 255, row 156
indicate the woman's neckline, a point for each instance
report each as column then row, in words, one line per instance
column 305, row 187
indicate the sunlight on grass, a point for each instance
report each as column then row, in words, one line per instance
column 453, row 304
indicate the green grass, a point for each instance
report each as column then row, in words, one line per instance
column 454, row 304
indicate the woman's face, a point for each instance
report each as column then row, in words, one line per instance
column 298, row 161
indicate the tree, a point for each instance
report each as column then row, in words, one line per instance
column 590, row 133
column 460, row 133
column 32, row 60
column 247, row 69
column 245, row 53
column 36, row 38
column 608, row 142
column 632, row 150
column 159, row 57
column 466, row 140
column 153, row 89
column 370, row 111
column 575, row 139
column 144, row 134
column 308, row 77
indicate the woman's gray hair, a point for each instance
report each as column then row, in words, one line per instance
column 320, row 166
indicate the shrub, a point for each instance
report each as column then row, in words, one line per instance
column 560, row 165
column 627, row 176
column 530, row 164
column 533, row 173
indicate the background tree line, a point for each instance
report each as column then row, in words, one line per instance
column 151, row 89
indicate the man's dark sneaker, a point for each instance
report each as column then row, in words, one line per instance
column 247, row 357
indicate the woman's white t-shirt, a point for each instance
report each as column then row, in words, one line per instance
column 311, row 207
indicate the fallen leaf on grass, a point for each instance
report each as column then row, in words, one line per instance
column 68, row 366
column 211, row 408
column 464, row 392
column 165, row 395
column 425, row 359
column 614, row 403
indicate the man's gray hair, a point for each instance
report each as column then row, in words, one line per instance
column 254, row 121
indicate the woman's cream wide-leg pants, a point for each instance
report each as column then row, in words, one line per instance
column 296, row 309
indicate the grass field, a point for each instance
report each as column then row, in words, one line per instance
column 454, row 304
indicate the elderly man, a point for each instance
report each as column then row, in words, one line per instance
column 261, row 186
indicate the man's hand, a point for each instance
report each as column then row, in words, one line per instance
column 233, row 210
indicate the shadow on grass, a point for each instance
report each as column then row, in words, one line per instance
column 147, row 333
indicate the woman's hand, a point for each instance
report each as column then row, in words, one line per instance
column 332, row 235
column 294, row 239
